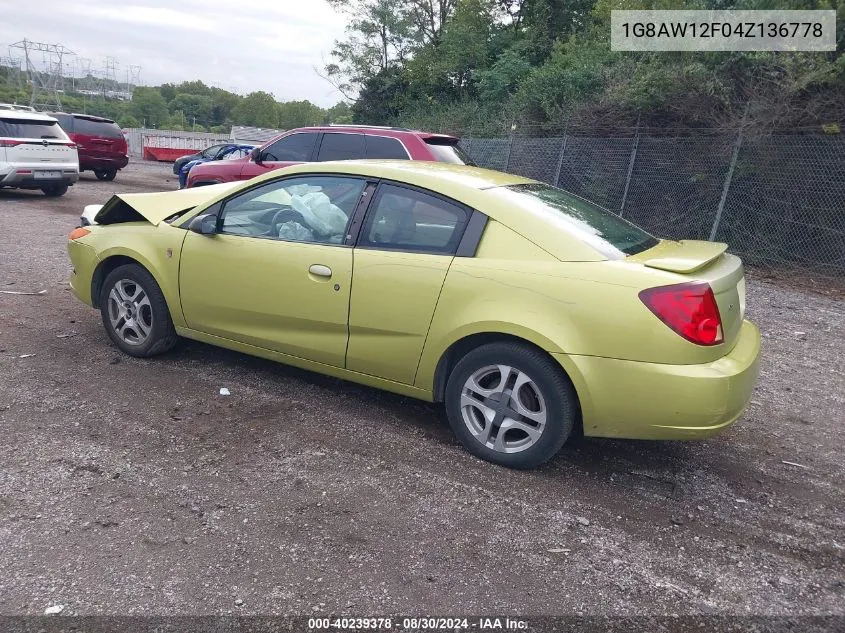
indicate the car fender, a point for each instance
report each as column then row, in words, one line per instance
column 158, row 249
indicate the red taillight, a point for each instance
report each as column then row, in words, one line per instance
column 690, row 309
column 6, row 142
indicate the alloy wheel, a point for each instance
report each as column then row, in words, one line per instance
column 503, row 408
column 130, row 312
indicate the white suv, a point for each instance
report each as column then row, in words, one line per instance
column 35, row 153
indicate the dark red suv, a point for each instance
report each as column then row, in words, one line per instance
column 100, row 142
column 333, row 142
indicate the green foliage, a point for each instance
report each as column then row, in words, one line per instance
column 149, row 107
column 258, row 109
column 339, row 113
column 127, row 120
column 299, row 114
column 541, row 63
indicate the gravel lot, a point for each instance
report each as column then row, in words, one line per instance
column 130, row 486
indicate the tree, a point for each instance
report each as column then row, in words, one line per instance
column 168, row 91
column 382, row 98
column 223, row 104
column 195, row 107
column 128, row 120
column 148, row 106
column 339, row 113
column 378, row 36
column 299, row 114
column 258, row 109
column 463, row 47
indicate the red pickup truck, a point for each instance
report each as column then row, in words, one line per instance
column 333, row 142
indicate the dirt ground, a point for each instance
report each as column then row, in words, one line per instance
column 132, row 487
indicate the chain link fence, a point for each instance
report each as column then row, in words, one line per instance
column 778, row 199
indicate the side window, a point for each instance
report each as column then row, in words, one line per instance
column 341, row 147
column 294, row 148
column 306, row 209
column 211, row 152
column 385, row 147
column 409, row 220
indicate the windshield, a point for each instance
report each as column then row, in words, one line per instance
column 595, row 225
column 449, row 153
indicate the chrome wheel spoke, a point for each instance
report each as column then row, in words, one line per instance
column 142, row 329
column 508, row 424
column 120, row 289
column 122, row 328
column 538, row 417
column 144, row 301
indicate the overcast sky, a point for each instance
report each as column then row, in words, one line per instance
column 247, row 45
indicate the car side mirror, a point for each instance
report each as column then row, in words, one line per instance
column 205, row 224
column 255, row 155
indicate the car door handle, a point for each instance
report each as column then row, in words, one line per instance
column 320, row 270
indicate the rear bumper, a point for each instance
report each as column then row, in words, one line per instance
column 118, row 161
column 635, row 400
column 32, row 180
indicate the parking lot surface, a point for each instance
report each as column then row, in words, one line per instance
column 132, row 487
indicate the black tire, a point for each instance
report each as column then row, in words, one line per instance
column 105, row 174
column 55, row 191
column 162, row 335
column 558, row 400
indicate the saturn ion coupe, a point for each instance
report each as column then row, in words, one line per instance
column 530, row 312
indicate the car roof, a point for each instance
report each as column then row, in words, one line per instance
column 373, row 130
column 89, row 117
column 26, row 116
column 427, row 174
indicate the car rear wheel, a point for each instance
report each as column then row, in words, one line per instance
column 135, row 312
column 55, row 191
column 510, row 404
column 105, row 174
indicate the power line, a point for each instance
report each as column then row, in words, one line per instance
column 45, row 71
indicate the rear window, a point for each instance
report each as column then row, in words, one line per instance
column 595, row 225
column 24, row 128
column 105, row 129
column 449, row 153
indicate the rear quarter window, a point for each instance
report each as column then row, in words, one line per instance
column 25, row 128
column 385, row 147
column 594, row 225
column 449, row 153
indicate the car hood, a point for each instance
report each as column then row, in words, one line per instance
column 155, row 207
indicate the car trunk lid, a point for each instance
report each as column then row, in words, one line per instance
column 697, row 260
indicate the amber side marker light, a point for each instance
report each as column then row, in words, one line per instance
column 78, row 232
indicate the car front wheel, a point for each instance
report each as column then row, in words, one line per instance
column 510, row 404
column 135, row 312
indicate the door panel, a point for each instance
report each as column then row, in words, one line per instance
column 393, row 302
column 406, row 245
column 269, row 293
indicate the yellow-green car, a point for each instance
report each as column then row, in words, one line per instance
column 529, row 311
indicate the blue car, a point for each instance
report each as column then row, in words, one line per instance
column 228, row 151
